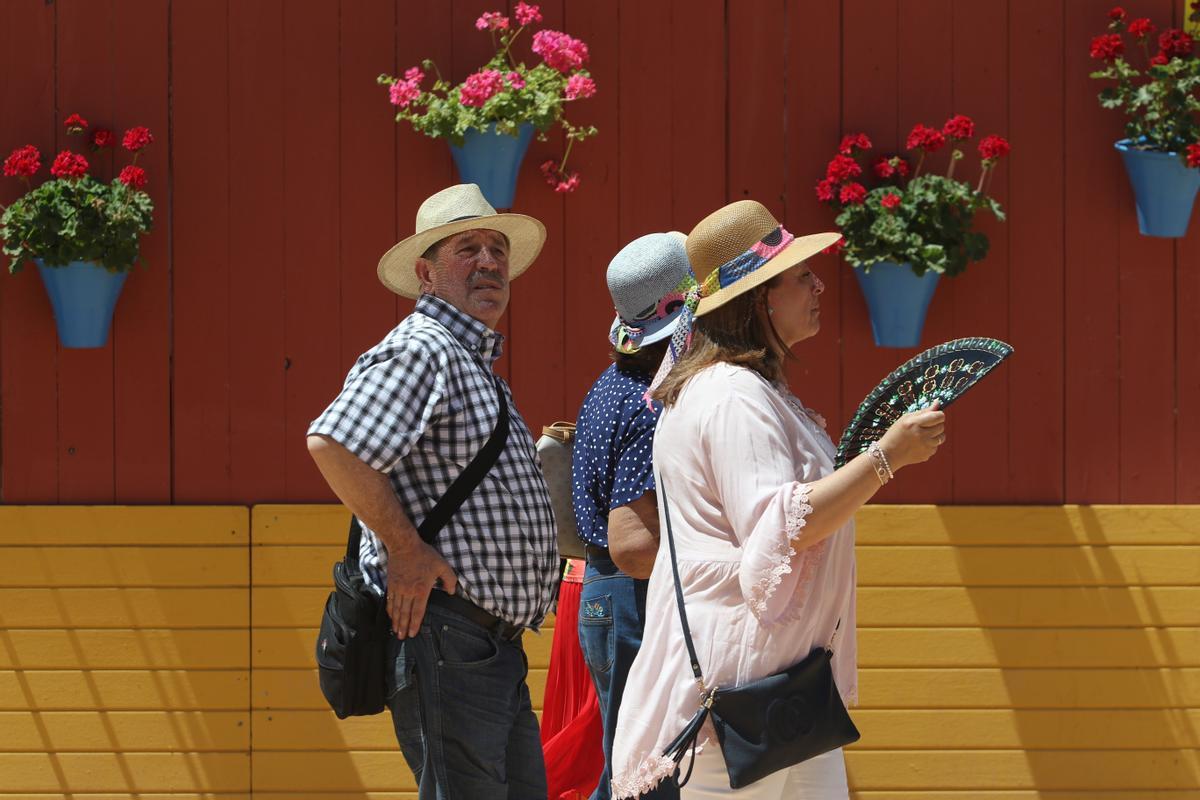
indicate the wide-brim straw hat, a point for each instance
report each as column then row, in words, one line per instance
column 454, row 210
column 729, row 233
column 640, row 277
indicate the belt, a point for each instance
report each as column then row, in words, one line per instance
column 591, row 551
column 465, row 608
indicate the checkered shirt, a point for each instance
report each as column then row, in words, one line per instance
column 418, row 406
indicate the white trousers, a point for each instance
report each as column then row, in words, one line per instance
column 820, row 778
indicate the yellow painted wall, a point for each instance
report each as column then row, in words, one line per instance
column 1006, row 654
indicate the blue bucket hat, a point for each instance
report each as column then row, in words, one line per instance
column 648, row 280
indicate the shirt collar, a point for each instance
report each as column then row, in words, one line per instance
column 473, row 334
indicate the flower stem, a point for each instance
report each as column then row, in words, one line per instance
column 920, row 161
column 508, row 47
column 562, row 167
column 982, row 174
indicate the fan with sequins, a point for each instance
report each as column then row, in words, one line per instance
column 940, row 373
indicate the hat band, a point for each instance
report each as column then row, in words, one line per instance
column 626, row 337
column 725, row 275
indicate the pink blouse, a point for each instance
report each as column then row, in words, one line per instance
column 734, row 457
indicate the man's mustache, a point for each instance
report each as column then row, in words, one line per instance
column 490, row 280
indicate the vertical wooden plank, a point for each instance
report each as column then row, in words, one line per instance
column 756, row 104
column 814, row 128
column 423, row 165
column 1093, row 222
column 536, row 313
column 85, row 377
column 201, row 250
column 258, row 239
column 925, row 95
column 142, row 333
column 1187, row 370
column 592, row 216
column 647, row 134
column 1036, row 263
column 28, row 340
column 870, row 104
column 698, row 117
column 1146, row 325
column 981, row 297
column 368, row 177
column 312, row 125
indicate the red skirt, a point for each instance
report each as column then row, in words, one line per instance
column 571, row 726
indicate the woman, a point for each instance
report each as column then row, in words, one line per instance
column 762, row 523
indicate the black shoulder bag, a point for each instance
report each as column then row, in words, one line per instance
column 768, row 724
column 353, row 639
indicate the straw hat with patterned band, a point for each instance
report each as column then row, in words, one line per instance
column 733, row 250
column 454, row 210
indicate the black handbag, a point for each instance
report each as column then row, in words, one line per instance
column 353, row 639
column 768, row 724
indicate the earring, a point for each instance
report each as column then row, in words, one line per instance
column 770, row 310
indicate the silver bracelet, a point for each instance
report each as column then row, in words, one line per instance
column 879, row 458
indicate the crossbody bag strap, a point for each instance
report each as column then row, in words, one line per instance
column 466, row 482
column 687, row 631
column 472, row 476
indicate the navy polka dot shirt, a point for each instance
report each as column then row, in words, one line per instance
column 614, row 441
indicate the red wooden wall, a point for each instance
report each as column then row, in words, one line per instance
column 280, row 178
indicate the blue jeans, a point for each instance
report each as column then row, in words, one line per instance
column 612, row 616
column 461, row 709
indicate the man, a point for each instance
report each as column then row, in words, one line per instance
column 414, row 411
column 613, row 476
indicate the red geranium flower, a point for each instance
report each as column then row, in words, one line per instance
column 958, row 127
column 560, row 51
column 1117, row 14
column 890, row 201
column 826, row 190
column 1174, row 42
column 137, row 138
column 1159, row 60
column 928, row 139
column 883, row 167
column 568, row 185
column 75, row 123
column 1193, row 155
column 853, row 194
column 835, row 248
column 1141, row 28
column 103, row 137
column 853, row 140
column 133, row 177
column 493, row 20
column 843, row 168
column 23, row 162
column 528, row 13
column 1107, row 46
column 68, row 165
column 993, row 148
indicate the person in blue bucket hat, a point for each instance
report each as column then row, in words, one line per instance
column 612, row 475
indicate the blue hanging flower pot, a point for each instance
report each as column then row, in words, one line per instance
column 83, row 295
column 897, row 300
column 1163, row 189
column 493, row 160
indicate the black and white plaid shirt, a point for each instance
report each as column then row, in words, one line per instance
column 418, row 406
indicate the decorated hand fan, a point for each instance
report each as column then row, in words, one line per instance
column 940, row 373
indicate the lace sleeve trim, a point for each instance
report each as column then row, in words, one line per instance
column 646, row 777
column 798, row 510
